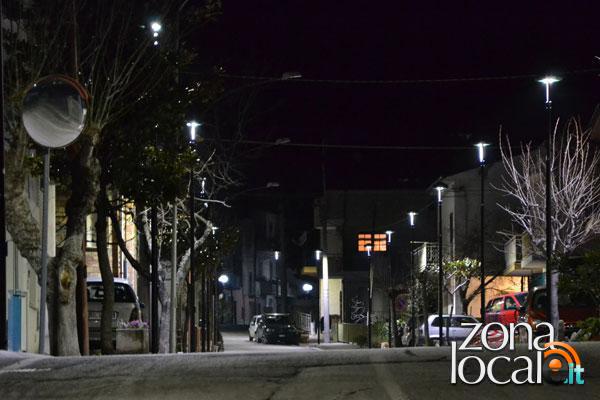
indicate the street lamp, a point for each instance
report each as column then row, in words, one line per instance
column 439, row 188
column 481, row 155
column 413, row 297
column 369, row 249
column 155, row 27
column 551, row 299
column 307, row 288
column 223, row 279
column 193, row 125
column 388, row 234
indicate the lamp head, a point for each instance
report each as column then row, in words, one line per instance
column 318, row 254
column 411, row 218
column 223, row 279
column 481, row 151
column 193, row 125
column 549, row 80
column 307, row 287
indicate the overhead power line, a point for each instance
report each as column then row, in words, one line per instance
column 405, row 81
column 348, row 146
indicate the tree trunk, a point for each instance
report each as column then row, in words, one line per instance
column 165, row 307
column 108, row 302
column 426, row 314
column 84, row 182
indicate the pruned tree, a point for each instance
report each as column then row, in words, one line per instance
column 575, row 195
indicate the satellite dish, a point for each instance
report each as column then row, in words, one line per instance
column 54, row 111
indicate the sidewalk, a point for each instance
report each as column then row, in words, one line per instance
column 8, row 358
column 312, row 342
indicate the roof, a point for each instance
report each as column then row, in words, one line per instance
column 96, row 279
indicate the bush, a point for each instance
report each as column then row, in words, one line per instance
column 361, row 340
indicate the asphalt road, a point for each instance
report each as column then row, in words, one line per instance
column 416, row 373
column 237, row 342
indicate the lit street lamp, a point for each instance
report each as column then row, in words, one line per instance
column 413, row 297
column 307, row 288
column 439, row 188
column 551, row 279
column 369, row 249
column 193, row 125
column 481, row 155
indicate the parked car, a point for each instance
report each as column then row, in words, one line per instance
column 456, row 331
column 253, row 327
column 127, row 306
column 277, row 328
column 505, row 309
column 571, row 309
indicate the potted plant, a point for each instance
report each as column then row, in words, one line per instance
column 132, row 337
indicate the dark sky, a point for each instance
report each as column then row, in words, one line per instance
column 397, row 40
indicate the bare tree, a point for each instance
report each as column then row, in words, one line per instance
column 575, row 195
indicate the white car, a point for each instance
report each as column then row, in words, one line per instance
column 253, row 327
column 457, row 332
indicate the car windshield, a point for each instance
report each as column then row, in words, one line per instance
column 123, row 293
column 521, row 298
column 277, row 320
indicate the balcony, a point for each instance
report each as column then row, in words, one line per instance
column 519, row 258
column 426, row 256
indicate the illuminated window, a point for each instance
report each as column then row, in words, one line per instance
column 379, row 243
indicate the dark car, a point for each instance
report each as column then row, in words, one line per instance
column 277, row 328
column 571, row 309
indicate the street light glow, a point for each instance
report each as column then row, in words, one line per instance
column 369, row 249
column 223, row 279
column 411, row 218
column 307, row 287
column 481, row 151
column 193, row 125
column 156, row 27
column 389, row 235
column 547, row 81
column 439, row 190
column 276, row 255
column 318, row 254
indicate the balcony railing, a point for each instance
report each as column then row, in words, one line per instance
column 520, row 258
column 426, row 256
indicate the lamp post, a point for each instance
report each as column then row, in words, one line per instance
column 481, row 155
column 369, row 248
column 318, row 257
column 193, row 125
column 413, row 297
column 391, row 307
column 224, row 279
column 551, row 299
column 439, row 188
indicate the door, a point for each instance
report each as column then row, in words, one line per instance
column 508, row 314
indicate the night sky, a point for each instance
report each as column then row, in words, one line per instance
column 327, row 40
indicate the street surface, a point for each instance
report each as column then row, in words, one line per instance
column 237, row 342
column 415, row 373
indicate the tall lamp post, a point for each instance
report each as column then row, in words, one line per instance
column 439, row 188
column 369, row 248
column 551, row 300
column 193, row 125
column 481, row 155
column 391, row 305
column 413, row 297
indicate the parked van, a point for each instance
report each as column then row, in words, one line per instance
column 571, row 309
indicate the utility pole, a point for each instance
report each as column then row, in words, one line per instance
column 192, row 281
column 413, row 297
column 173, row 300
column 3, row 249
column 154, row 276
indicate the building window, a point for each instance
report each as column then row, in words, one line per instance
column 378, row 241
